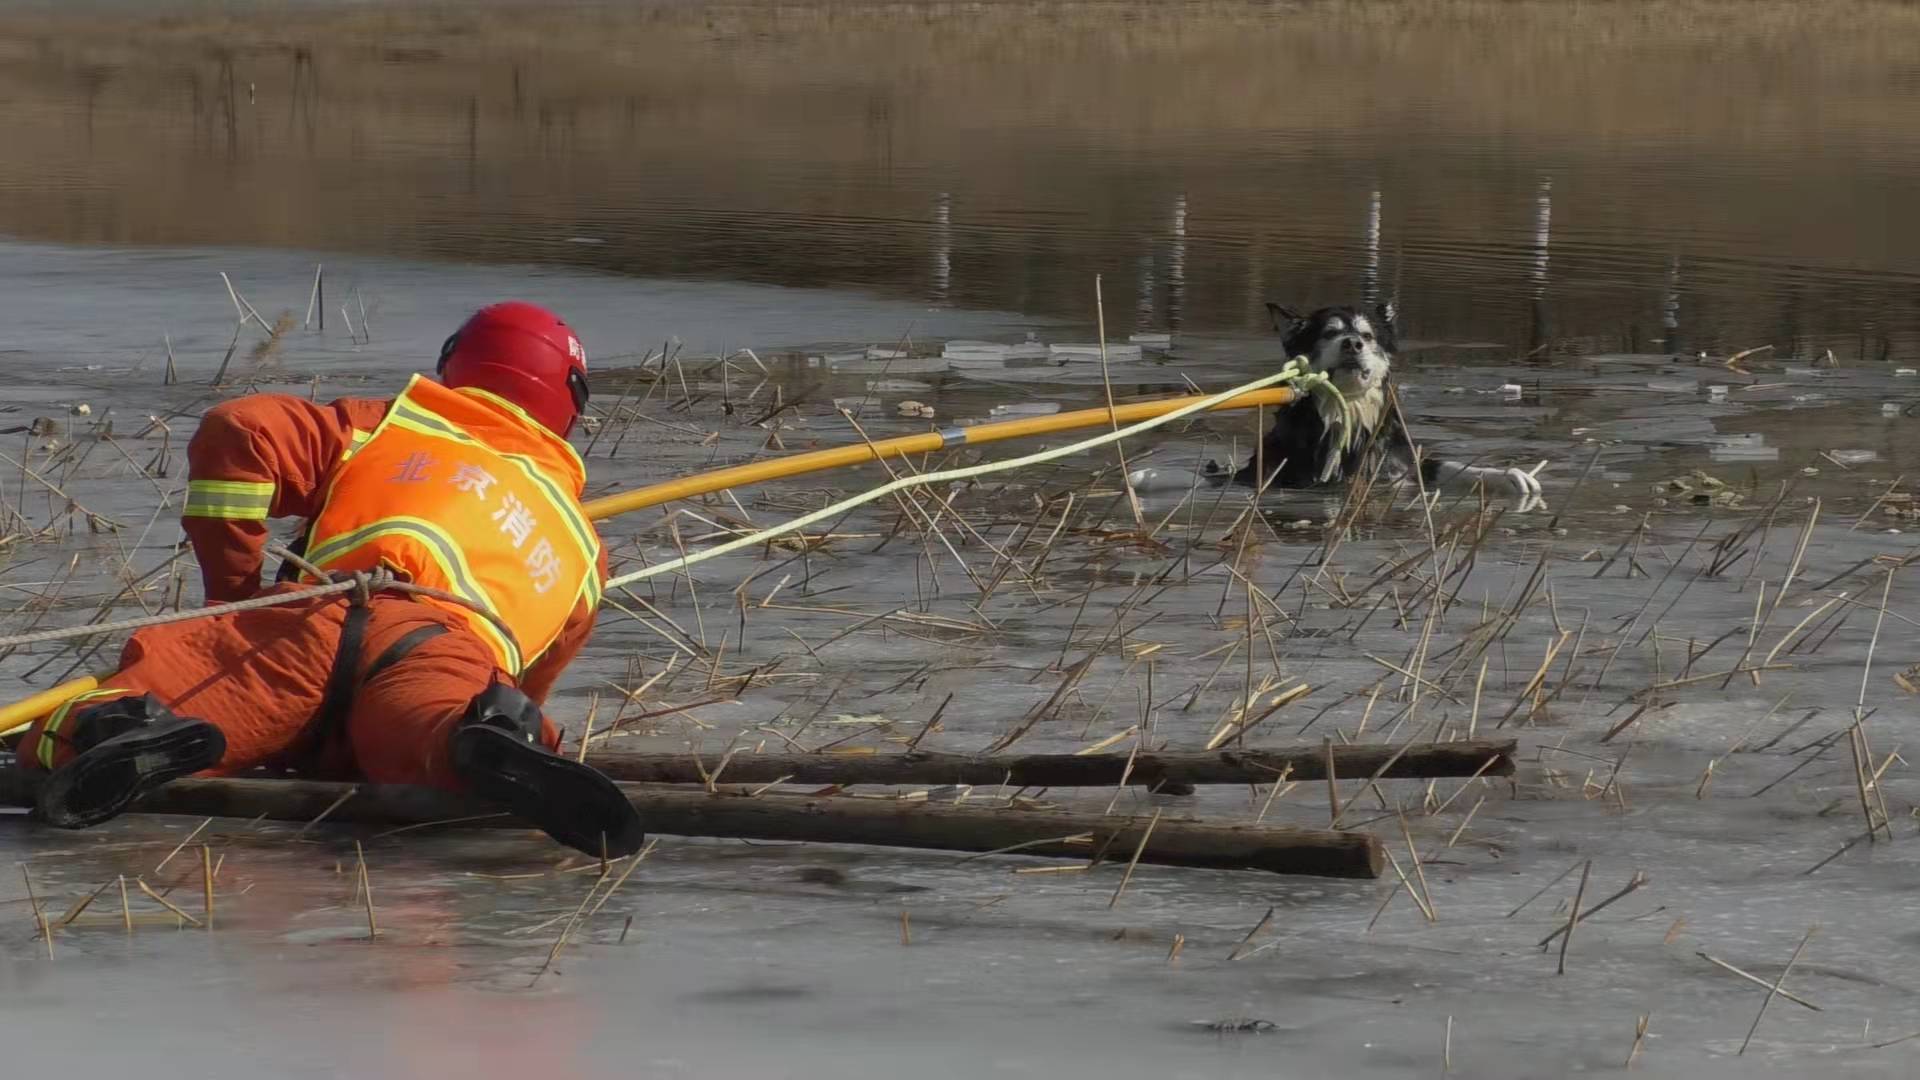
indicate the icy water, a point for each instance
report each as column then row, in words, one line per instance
column 1766, row 157
column 1560, row 177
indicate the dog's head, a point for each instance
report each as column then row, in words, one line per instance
column 1353, row 347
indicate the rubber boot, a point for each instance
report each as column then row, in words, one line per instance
column 496, row 750
column 128, row 747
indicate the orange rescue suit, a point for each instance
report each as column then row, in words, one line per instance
column 454, row 489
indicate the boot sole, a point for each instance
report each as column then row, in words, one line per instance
column 101, row 783
column 571, row 802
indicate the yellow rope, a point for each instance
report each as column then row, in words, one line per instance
column 1293, row 372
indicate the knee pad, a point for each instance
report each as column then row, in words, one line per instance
column 505, row 707
column 95, row 724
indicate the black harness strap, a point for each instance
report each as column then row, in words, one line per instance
column 403, row 645
column 344, row 680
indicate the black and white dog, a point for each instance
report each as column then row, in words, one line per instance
column 1323, row 440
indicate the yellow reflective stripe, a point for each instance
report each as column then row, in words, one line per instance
column 583, row 531
column 359, row 439
column 444, row 552
column 231, row 487
column 488, row 395
column 240, row 513
column 234, row 499
column 59, row 716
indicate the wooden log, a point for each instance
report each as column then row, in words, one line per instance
column 733, row 813
column 1175, row 769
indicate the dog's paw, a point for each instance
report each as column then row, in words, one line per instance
column 1524, row 489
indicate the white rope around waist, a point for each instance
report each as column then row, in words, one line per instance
column 363, row 582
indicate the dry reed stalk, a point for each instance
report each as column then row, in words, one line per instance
column 126, row 906
column 1632, row 886
column 565, row 932
column 177, row 848
column 1276, row 792
column 1419, row 871
column 164, row 902
column 1540, row 675
column 1864, row 754
column 1382, row 909
column 322, row 816
column 83, row 903
column 1758, row 981
column 1446, row 1050
column 1394, row 862
column 1891, row 488
column 1753, row 634
column 1543, row 889
column 206, row 882
column 624, row 875
column 1179, row 944
column 1789, row 636
column 365, row 889
column 1490, row 763
column 1862, row 761
column 1138, row 850
column 1333, row 789
column 1236, row 730
column 33, row 905
column 1415, row 680
column 1126, row 773
column 1462, row 827
column 1639, row 1039
column 586, row 736
column 1774, row 990
column 1265, row 921
column 906, row 927
column 1573, row 917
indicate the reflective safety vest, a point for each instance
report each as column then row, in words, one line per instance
column 460, row 490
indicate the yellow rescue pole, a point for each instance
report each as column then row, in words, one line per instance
column 21, row 713
column 838, row 457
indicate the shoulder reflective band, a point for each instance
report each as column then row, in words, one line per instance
column 359, row 439
column 234, row 499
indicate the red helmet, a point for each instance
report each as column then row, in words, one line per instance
column 523, row 353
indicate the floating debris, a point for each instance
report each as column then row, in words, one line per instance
column 1236, row 1025
column 1747, row 447
column 1025, row 408
column 974, row 354
column 915, row 409
column 1701, row 489
column 1081, row 352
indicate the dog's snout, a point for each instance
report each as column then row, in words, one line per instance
column 1350, row 344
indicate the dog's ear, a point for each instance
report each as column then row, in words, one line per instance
column 1283, row 320
column 1385, row 314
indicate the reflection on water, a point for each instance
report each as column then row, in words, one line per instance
column 1557, row 178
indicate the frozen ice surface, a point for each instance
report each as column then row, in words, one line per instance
column 741, row 959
